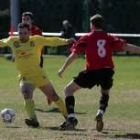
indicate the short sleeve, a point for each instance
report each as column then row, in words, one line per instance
column 36, row 30
column 117, row 43
column 79, row 46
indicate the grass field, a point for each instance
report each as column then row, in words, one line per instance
column 122, row 119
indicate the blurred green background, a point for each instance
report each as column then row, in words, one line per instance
column 122, row 16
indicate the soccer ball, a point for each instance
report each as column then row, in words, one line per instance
column 8, row 115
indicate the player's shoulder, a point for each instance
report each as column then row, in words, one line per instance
column 36, row 28
column 86, row 36
column 110, row 34
column 13, row 38
column 111, row 37
column 89, row 35
column 36, row 37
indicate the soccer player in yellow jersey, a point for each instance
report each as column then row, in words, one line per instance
column 26, row 50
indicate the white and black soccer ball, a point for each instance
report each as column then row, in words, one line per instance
column 8, row 115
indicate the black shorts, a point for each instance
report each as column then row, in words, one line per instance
column 90, row 78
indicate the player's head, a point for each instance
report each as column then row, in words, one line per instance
column 24, row 32
column 66, row 24
column 27, row 17
column 96, row 22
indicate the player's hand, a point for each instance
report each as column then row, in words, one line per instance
column 70, row 41
column 60, row 72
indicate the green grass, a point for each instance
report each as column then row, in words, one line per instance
column 121, row 119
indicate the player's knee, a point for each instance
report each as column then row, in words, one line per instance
column 65, row 90
column 68, row 91
column 26, row 93
column 54, row 97
column 105, row 92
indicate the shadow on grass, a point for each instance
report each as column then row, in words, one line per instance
column 50, row 128
column 15, row 127
column 56, row 110
column 74, row 134
column 57, row 129
column 108, row 134
column 106, row 131
column 129, row 136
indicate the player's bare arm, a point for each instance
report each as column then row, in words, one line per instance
column 68, row 61
column 132, row 48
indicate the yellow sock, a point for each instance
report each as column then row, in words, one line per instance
column 62, row 107
column 30, row 108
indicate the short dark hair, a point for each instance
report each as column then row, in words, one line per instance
column 23, row 25
column 29, row 14
column 97, row 21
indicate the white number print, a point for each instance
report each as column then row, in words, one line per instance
column 101, row 48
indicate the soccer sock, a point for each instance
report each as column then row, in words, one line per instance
column 62, row 107
column 70, row 103
column 30, row 108
column 103, row 102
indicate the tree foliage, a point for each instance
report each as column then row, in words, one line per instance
column 120, row 15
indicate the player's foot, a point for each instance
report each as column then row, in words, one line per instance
column 69, row 124
column 99, row 122
column 32, row 122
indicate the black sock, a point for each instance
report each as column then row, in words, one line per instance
column 103, row 102
column 70, row 103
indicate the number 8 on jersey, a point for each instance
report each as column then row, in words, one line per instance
column 101, row 48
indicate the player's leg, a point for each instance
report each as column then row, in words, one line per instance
column 27, row 91
column 103, row 103
column 71, row 120
column 83, row 80
column 50, row 92
column 69, row 91
column 49, row 101
column 106, row 84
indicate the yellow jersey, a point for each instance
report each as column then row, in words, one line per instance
column 27, row 55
